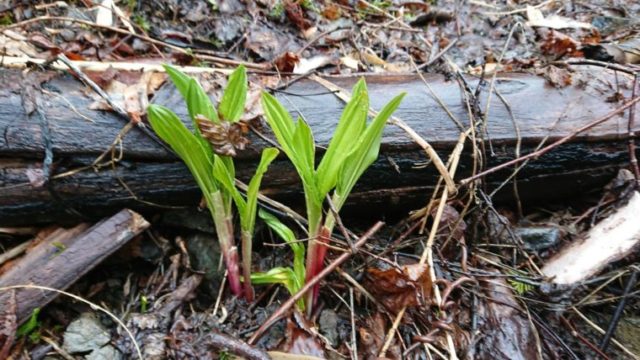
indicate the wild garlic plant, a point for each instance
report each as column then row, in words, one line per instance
column 208, row 152
column 352, row 149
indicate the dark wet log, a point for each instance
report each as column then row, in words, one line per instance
column 60, row 259
column 396, row 181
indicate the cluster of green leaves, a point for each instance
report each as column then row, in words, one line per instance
column 352, row 149
column 213, row 173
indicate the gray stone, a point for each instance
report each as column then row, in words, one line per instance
column 329, row 326
column 107, row 352
column 85, row 334
column 539, row 237
column 204, row 253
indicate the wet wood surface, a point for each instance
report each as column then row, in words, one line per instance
column 530, row 112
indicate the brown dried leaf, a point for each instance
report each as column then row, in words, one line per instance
column 299, row 341
column 372, row 336
column 286, row 62
column 8, row 322
column 295, row 14
column 558, row 44
column 131, row 96
column 396, row 289
column 558, row 77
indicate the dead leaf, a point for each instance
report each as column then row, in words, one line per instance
column 537, row 19
column 331, row 11
column 396, row 288
column 286, row 62
column 295, row 14
column 8, row 322
column 558, row 77
column 372, row 335
column 558, row 44
column 132, row 98
column 299, row 341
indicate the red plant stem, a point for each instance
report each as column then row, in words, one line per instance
column 553, row 145
column 224, row 229
column 230, row 256
column 313, row 282
column 315, row 262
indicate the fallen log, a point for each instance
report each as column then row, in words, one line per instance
column 528, row 112
column 60, row 259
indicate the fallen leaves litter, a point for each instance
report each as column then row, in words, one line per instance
column 408, row 286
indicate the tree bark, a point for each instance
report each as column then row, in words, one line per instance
column 60, row 259
column 148, row 177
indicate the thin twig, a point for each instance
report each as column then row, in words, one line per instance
column 311, row 283
column 553, row 145
column 632, row 135
column 631, row 282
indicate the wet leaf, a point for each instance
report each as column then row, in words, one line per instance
column 408, row 286
column 302, row 342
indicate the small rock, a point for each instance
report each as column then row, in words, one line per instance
column 204, row 253
column 85, row 334
column 107, row 352
column 68, row 34
column 329, row 326
column 539, row 237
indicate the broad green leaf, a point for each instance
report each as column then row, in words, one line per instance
column 278, row 275
column 179, row 79
column 248, row 219
column 304, row 151
column 351, row 125
column 290, row 238
column 232, row 104
column 365, row 153
column 279, row 120
column 198, row 103
column 170, row 129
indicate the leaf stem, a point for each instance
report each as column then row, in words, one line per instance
column 223, row 220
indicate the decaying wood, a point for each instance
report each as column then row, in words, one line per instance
column 148, row 176
column 611, row 239
column 64, row 256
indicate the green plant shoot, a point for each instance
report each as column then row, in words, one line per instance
column 215, row 173
column 340, row 168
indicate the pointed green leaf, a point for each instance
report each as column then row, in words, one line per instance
column 232, row 104
column 290, row 238
column 179, row 79
column 197, row 158
column 279, row 121
column 248, row 217
column 278, row 275
column 351, row 125
column 198, row 102
column 365, row 153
